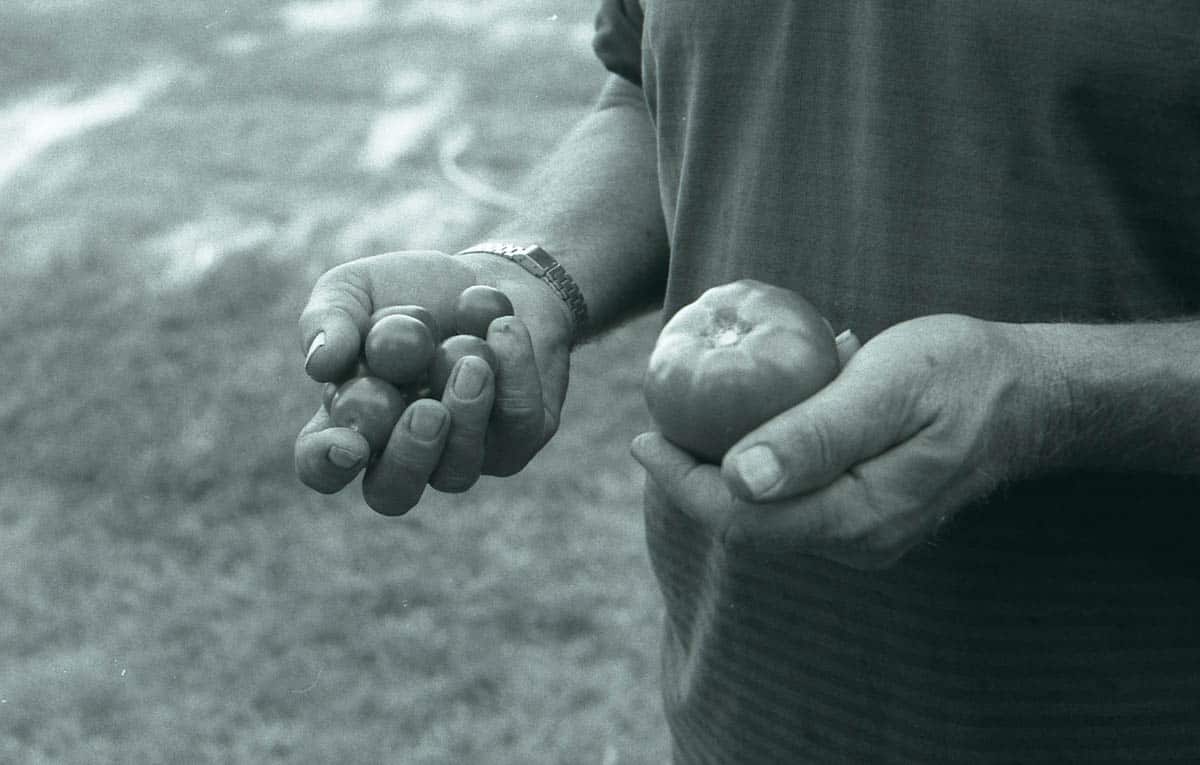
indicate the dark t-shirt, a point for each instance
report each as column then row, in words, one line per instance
column 1013, row 161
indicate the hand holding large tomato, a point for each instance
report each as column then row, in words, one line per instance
column 488, row 421
column 928, row 416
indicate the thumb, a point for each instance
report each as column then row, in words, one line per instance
column 695, row 488
column 852, row 419
column 333, row 323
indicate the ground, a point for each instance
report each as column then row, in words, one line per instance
column 173, row 176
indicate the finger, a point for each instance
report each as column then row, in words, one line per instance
column 394, row 483
column 853, row 418
column 518, row 413
column 871, row 516
column 334, row 321
column 837, row 522
column 694, row 487
column 818, row 527
column 328, row 458
column 468, row 397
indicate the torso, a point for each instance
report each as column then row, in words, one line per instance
column 1016, row 161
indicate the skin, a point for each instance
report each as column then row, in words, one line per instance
column 442, row 443
column 933, row 414
column 927, row 417
column 497, row 426
column 920, row 421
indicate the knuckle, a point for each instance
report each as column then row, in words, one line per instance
column 820, row 446
column 408, row 457
column 338, row 276
column 519, row 409
column 346, row 284
column 464, row 446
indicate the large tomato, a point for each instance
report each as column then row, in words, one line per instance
column 736, row 357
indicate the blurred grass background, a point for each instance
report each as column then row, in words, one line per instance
column 173, row 177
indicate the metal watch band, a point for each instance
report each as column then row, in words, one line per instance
column 538, row 262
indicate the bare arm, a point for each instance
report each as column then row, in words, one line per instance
column 1123, row 396
column 594, row 205
column 935, row 413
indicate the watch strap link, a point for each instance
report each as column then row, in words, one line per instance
column 541, row 264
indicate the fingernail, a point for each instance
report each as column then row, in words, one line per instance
column 425, row 422
column 471, row 376
column 847, row 346
column 344, row 458
column 759, row 469
column 317, row 344
column 501, row 324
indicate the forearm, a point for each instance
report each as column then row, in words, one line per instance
column 1121, row 396
column 594, row 205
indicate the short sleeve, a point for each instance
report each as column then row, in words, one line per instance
column 618, row 39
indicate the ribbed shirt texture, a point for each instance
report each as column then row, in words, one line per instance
column 1013, row 161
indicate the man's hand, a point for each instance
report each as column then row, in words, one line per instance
column 926, row 417
column 485, row 423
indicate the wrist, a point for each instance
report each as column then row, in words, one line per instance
column 534, row 301
column 1048, row 418
column 1121, row 396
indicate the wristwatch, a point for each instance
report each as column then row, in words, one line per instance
column 538, row 262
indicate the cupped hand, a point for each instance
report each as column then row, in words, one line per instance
column 485, row 423
column 928, row 416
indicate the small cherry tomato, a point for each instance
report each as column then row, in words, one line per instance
column 399, row 349
column 369, row 405
column 477, row 307
column 739, row 355
column 450, row 351
column 421, row 313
